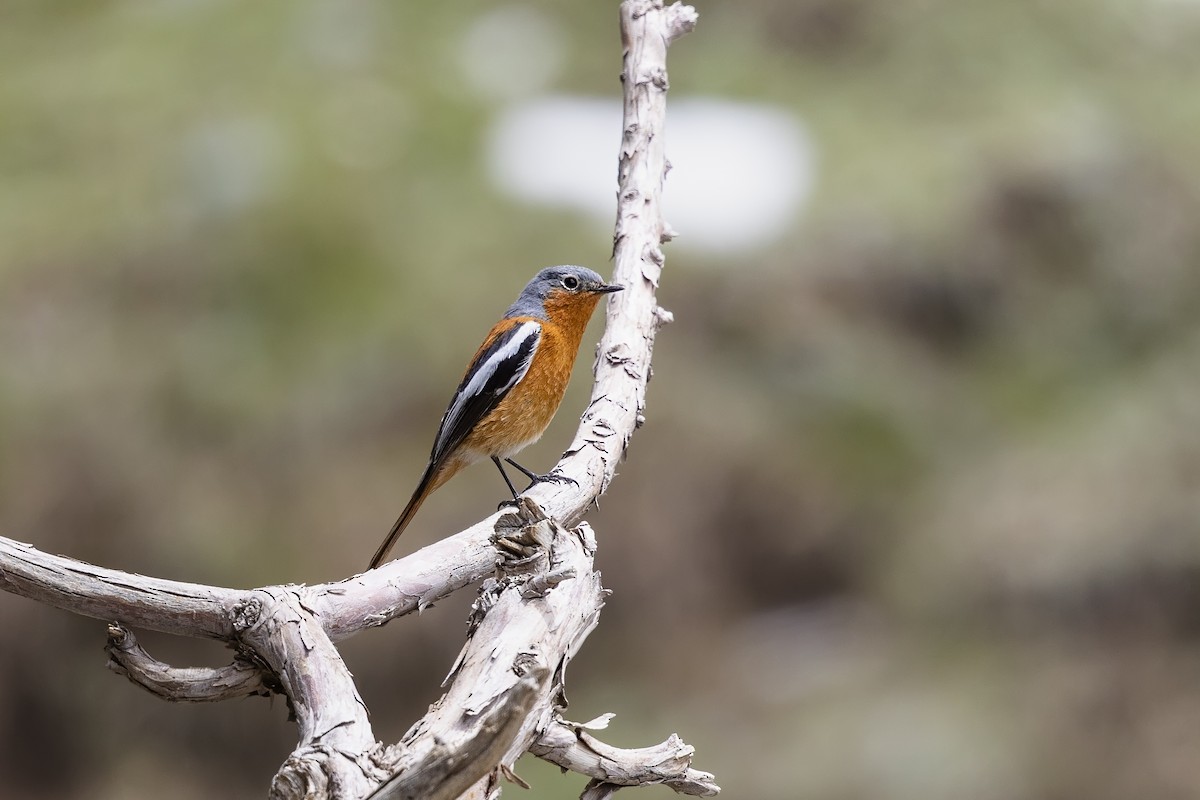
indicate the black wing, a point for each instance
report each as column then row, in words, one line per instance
column 496, row 369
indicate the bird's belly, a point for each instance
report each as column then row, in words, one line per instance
column 514, row 425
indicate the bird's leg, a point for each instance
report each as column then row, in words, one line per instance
column 508, row 482
column 535, row 479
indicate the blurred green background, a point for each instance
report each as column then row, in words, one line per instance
column 915, row 511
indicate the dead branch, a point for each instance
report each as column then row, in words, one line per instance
column 573, row 748
column 185, row 609
column 527, row 621
column 444, row 772
column 242, row 678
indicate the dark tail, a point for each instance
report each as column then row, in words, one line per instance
column 424, row 488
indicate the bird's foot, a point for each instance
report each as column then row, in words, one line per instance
column 549, row 477
column 534, row 480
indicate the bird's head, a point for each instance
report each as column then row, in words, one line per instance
column 563, row 287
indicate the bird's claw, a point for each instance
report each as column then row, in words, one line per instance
column 550, row 477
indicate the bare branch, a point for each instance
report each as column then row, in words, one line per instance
column 337, row 751
column 242, row 678
column 522, row 625
column 444, row 774
column 408, row 584
column 622, row 367
column 670, row 763
column 185, row 609
column 623, row 362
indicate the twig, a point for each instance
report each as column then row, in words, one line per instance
column 670, row 763
column 242, row 678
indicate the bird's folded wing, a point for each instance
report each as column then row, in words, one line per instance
column 500, row 364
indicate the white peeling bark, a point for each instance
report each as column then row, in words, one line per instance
column 506, row 691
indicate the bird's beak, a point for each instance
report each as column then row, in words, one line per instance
column 607, row 288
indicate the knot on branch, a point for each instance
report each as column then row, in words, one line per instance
column 540, row 585
column 656, row 77
column 246, row 613
column 680, row 20
column 527, row 662
column 302, row 776
column 524, row 539
column 526, row 561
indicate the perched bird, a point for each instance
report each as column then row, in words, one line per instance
column 513, row 385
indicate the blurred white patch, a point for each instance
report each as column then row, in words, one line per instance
column 511, row 51
column 363, row 126
column 741, row 171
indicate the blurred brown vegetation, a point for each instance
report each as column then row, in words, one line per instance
column 915, row 510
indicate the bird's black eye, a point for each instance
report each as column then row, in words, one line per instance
column 570, row 282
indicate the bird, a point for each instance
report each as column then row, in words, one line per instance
column 513, row 385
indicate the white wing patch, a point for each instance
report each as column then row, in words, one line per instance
column 496, row 374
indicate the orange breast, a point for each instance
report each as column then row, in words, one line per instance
column 524, row 414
